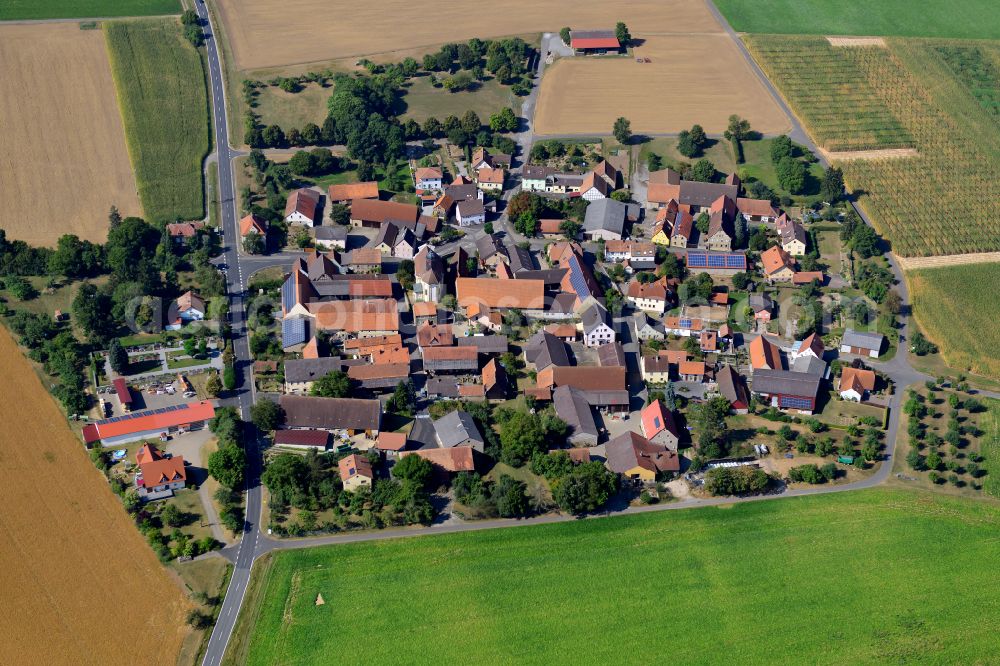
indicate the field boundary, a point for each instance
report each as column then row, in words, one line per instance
column 856, row 41
column 945, row 260
column 880, row 154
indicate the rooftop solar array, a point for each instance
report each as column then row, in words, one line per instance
column 148, row 412
column 577, row 279
column 732, row 260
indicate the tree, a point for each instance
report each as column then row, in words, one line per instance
column 504, row 120
column 404, row 399
column 171, row 515
column 933, row 460
column 564, row 34
column 703, row 170
column 702, row 222
column 414, row 469
column 405, row 274
column 526, row 224
column 586, row 488
column 267, row 415
column 118, row 357
column 229, row 378
column 92, row 313
column 708, row 426
column 253, row 243
column 227, row 465
column 865, row 241
column 736, row 480
column 921, row 346
column 470, row 122
column 685, row 146
column 75, row 258
column 570, row 229
column 791, row 174
column 520, row 437
column 510, row 497
column 781, row 146
column 622, row 130
column 334, row 384
column 738, row 130
column 622, row 33
column 213, row 386
column 832, row 185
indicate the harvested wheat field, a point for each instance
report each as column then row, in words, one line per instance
column 63, row 161
column 267, row 33
column 79, row 583
column 690, row 79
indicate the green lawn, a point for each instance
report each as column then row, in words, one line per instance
column 293, row 110
column 164, row 106
column 989, row 446
column 422, row 100
column 873, row 576
column 973, row 19
column 16, row 10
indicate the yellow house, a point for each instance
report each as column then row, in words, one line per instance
column 661, row 232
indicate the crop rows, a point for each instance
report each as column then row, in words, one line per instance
column 977, row 71
column 937, row 203
column 834, row 100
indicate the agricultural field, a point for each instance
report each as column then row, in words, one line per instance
column 956, row 308
column 70, row 555
column 709, row 75
column 19, row 10
column 931, row 204
column 264, row 33
column 422, row 100
column 833, row 579
column 277, row 107
column 64, row 165
column 163, row 101
column 978, row 19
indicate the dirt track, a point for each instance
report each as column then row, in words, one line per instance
column 63, row 160
column 79, row 583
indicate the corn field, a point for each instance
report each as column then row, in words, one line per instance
column 944, row 201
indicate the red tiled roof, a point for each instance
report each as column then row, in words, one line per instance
column 147, row 421
column 351, row 191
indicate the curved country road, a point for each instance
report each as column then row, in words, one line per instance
column 253, row 543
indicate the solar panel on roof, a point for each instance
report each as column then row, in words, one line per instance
column 716, row 261
column 656, row 421
column 685, row 323
column 735, row 261
column 795, row 403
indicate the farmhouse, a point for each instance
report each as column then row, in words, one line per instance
column 331, row 238
column 721, row 215
column 757, row 210
column 351, row 415
column 856, row 383
column 603, row 387
column 544, row 349
column 123, row 394
column 764, row 354
column 733, row 388
column 301, row 374
column 498, row 294
column 189, row 306
column 594, row 42
column 251, row 224
column 355, row 472
column 484, row 159
column 650, row 297
column 363, row 319
column 716, row 263
column 605, row 219
column 597, row 326
column 578, row 279
column 777, row 265
column 682, row 229
column 427, row 178
column 364, row 260
column 302, row 207
column 637, row 255
column 762, row 306
column 595, row 188
column 636, row 458
column 811, row 346
column 692, row 371
column 302, row 439
column 683, row 326
column 374, row 213
column 458, row 428
column 451, row 359
column 658, row 425
column 666, row 186
column 394, row 241
column 158, row 476
column 792, row 236
column 787, row 390
column 655, row 369
column 647, row 328
column 490, row 179
column 572, row 407
column 348, row 193
column 470, row 212
column 862, row 343
column 149, row 424
column 181, row 232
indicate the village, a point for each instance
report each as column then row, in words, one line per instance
column 663, row 334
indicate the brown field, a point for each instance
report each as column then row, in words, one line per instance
column 691, row 79
column 62, row 148
column 944, row 260
column 80, row 584
column 267, row 33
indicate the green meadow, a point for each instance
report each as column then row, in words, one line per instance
column 875, row 576
column 12, row 10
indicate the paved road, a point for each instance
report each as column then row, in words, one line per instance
column 254, row 544
column 246, row 550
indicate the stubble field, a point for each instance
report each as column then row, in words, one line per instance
column 63, row 160
column 79, row 583
column 691, row 79
column 265, row 33
column 872, row 576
